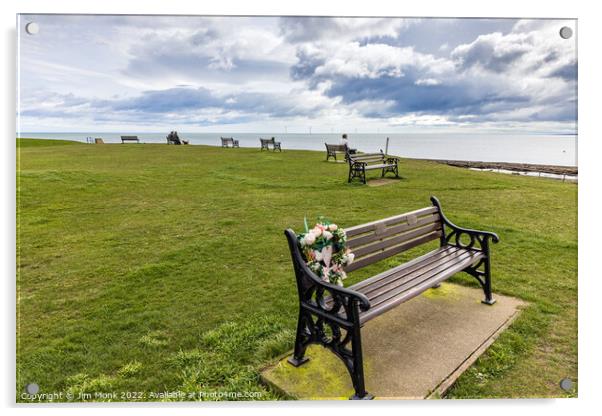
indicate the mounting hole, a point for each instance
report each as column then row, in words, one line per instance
column 32, row 28
column 566, row 384
column 566, row 32
column 32, row 388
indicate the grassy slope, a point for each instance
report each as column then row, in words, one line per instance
column 151, row 267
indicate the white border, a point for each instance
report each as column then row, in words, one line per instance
column 589, row 185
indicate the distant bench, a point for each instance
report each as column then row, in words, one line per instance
column 332, row 316
column 359, row 163
column 332, row 149
column 129, row 139
column 266, row 143
column 229, row 142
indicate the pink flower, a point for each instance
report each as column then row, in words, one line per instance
column 333, row 227
column 325, row 272
column 327, row 235
column 309, row 238
column 327, row 255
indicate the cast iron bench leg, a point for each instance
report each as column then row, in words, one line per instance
column 487, row 286
column 301, row 343
column 357, row 370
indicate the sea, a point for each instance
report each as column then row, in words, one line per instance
column 559, row 149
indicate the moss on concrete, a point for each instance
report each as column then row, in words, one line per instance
column 323, row 377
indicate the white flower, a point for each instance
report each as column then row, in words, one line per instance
column 318, row 255
column 333, row 227
column 350, row 257
column 309, row 238
column 327, row 235
column 317, row 231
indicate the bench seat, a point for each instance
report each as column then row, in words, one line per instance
column 395, row 286
column 388, row 289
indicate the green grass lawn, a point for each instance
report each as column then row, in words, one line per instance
column 149, row 268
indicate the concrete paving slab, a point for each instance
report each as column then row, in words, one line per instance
column 414, row 351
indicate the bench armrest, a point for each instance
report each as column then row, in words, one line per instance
column 356, row 162
column 392, row 159
column 482, row 237
column 335, row 290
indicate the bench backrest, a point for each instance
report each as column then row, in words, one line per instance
column 129, row 138
column 377, row 240
column 227, row 140
column 367, row 157
column 336, row 147
column 267, row 141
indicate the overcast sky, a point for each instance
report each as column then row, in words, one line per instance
column 268, row 74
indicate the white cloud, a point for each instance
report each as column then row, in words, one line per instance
column 376, row 60
column 427, row 81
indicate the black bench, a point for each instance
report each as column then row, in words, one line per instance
column 266, row 143
column 359, row 163
column 229, row 142
column 333, row 149
column 129, row 139
column 332, row 316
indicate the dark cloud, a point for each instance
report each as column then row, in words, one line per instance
column 159, row 105
column 407, row 97
column 306, row 65
column 165, row 101
column 567, row 72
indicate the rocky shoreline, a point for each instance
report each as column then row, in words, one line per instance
column 516, row 167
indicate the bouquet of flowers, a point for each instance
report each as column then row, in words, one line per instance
column 325, row 250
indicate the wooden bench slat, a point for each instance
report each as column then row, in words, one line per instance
column 389, row 231
column 439, row 263
column 379, row 291
column 410, row 265
column 372, row 167
column 336, row 147
column 379, row 245
column 418, row 288
column 392, row 251
column 363, row 155
column 378, row 160
column 369, row 226
column 360, row 156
